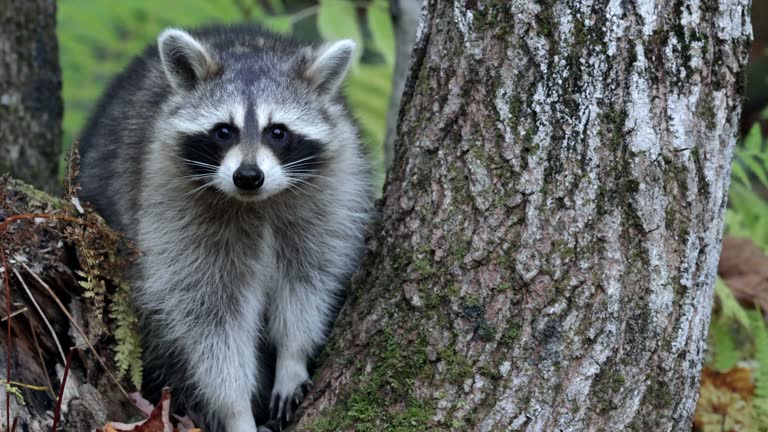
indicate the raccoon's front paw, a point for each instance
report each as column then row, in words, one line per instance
column 285, row 399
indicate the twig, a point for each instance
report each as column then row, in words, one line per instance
column 304, row 13
column 40, row 311
column 79, row 330
column 57, row 413
column 27, row 386
column 8, row 348
column 15, row 421
column 11, row 219
column 22, row 310
column 73, row 166
column 312, row 10
column 42, row 361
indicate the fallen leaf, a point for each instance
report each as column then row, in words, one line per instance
column 158, row 421
column 737, row 379
column 744, row 269
column 724, row 402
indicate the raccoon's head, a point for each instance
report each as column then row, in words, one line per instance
column 253, row 116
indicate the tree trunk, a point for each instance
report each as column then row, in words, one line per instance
column 551, row 227
column 30, row 86
column 405, row 20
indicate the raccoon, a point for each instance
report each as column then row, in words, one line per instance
column 230, row 158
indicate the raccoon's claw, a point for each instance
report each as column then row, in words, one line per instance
column 283, row 407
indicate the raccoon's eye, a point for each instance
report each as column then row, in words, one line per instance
column 278, row 132
column 224, row 132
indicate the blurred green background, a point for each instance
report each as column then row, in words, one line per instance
column 98, row 38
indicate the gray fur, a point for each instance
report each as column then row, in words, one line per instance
column 224, row 277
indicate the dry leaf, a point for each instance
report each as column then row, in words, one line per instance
column 158, row 421
column 744, row 269
column 737, row 379
column 724, row 401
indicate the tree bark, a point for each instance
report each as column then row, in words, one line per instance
column 551, row 226
column 405, row 20
column 30, row 86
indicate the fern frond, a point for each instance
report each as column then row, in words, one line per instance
column 760, row 332
column 128, row 347
column 753, row 142
column 730, row 307
column 723, row 348
column 15, row 391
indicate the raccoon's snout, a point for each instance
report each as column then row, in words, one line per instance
column 248, row 177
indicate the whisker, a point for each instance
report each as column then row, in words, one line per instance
column 295, row 184
column 197, row 176
column 304, row 182
column 193, row 179
column 201, row 188
column 301, row 175
column 301, row 170
column 219, row 197
column 299, row 161
column 194, row 162
column 295, row 188
column 200, row 164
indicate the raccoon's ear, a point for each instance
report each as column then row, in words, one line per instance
column 328, row 65
column 185, row 60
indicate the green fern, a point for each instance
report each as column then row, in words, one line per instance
column 747, row 209
column 724, row 353
column 739, row 335
column 93, row 283
column 15, row 391
column 730, row 307
column 128, row 347
column 760, row 334
column 729, row 328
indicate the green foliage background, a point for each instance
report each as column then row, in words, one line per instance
column 747, row 215
column 98, row 38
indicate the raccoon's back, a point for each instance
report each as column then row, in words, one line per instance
column 114, row 140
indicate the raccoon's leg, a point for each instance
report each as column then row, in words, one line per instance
column 226, row 372
column 298, row 318
column 217, row 350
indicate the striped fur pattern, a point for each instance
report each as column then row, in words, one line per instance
column 237, row 287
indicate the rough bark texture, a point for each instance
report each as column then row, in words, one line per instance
column 405, row 20
column 552, row 223
column 30, row 86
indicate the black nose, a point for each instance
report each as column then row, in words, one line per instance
column 248, row 177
